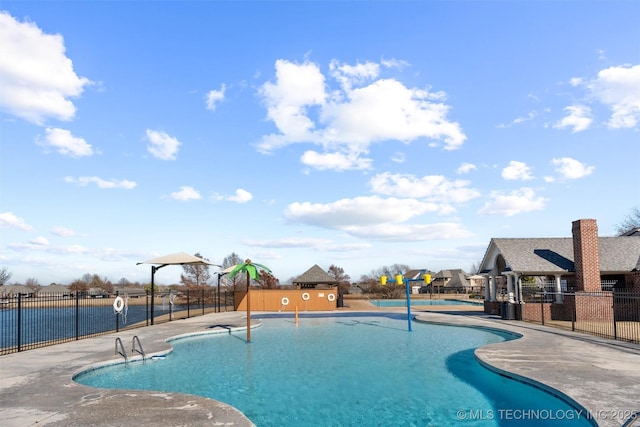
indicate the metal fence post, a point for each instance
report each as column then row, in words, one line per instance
column 202, row 300
column 146, row 307
column 19, row 321
column 117, row 325
column 542, row 308
column 573, row 313
column 613, row 307
column 188, row 305
column 77, row 315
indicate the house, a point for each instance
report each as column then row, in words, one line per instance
column 97, row 293
column 582, row 263
column 60, row 291
column 8, row 291
column 476, row 283
column 451, row 281
column 314, row 278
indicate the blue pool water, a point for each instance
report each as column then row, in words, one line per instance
column 418, row 302
column 343, row 371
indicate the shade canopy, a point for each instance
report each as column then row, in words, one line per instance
column 229, row 269
column 180, row 258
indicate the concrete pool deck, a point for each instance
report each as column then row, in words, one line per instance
column 36, row 386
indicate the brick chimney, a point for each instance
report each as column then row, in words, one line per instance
column 586, row 256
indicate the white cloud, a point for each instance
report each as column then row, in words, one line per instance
column 410, row 232
column 214, row 97
column 241, row 196
column 347, row 120
column 431, row 187
column 297, row 88
column 310, row 243
column 375, row 218
column 578, row 118
column 571, row 168
column 532, row 115
column 513, row 203
column 619, row 88
column 517, row 170
column 71, row 249
column 575, row 81
column 84, row 181
column 399, row 157
column 348, row 247
column 161, row 145
column 9, row 220
column 466, row 168
column 335, row 161
column 357, row 211
column 348, row 75
column 63, row 232
column 185, row 194
column 37, row 77
column 40, row 241
column 294, row 242
column 65, row 143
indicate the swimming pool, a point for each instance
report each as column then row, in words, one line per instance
column 418, row 302
column 341, row 371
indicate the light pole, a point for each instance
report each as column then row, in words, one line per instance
column 399, row 278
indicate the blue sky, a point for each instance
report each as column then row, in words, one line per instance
column 359, row 134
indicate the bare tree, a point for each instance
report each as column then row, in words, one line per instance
column 195, row 274
column 371, row 283
column 78, row 285
column 267, row 280
column 629, row 222
column 338, row 274
column 5, row 276
column 32, row 284
column 475, row 267
column 229, row 261
column 123, row 283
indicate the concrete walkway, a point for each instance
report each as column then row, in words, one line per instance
column 36, row 386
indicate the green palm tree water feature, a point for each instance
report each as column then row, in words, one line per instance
column 252, row 270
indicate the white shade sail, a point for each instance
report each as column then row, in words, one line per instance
column 180, row 258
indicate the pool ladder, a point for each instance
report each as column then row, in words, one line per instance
column 120, row 350
column 136, row 347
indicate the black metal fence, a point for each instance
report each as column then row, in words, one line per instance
column 613, row 314
column 28, row 321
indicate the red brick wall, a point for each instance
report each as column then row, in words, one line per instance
column 552, row 311
column 586, row 255
column 633, row 281
column 594, row 307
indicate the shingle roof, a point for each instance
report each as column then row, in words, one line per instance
column 315, row 275
column 416, row 274
column 617, row 254
column 54, row 289
column 457, row 277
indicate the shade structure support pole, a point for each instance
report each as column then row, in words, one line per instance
column 248, row 308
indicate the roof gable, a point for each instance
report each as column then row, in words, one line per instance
column 314, row 275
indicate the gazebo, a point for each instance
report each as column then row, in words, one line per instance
column 314, row 277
